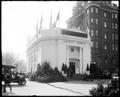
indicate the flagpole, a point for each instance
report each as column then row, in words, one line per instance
column 41, row 20
column 51, row 19
column 37, row 29
column 59, row 17
column 29, row 39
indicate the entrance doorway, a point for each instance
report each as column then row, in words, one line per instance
column 72, row 65
column 75, row 65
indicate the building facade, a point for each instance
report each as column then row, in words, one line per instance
column 101, row 18
column 58, row 46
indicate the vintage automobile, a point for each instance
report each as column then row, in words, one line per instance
column 16, row 77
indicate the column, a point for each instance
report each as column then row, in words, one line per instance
column 81, row 60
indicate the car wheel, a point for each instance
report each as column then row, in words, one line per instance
column 23, row 82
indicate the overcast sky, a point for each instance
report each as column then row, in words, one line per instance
column 19, row 20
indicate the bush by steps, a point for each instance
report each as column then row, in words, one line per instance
column 45, row 73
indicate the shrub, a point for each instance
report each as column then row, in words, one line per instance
column 45, row 73
column 33, row 77
column 28, row 75
column 39, row 70
column 45, row 67
column 110, row 90
column 56, row 70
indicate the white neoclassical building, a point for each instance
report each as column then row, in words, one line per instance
column 58, row 46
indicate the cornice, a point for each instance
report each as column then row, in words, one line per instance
column 63, row 37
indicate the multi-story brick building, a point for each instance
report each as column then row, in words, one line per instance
column 101, row 18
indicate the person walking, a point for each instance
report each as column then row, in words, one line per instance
column 8, row 78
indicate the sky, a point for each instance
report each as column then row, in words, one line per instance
column 20, row 18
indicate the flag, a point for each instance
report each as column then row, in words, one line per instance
column 41, row 23
column 51, row 20
column 58, row 17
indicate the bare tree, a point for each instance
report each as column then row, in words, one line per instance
column 8, row 58
column 20, row 66
column 12, row 59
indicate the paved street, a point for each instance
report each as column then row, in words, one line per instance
column 70, row 88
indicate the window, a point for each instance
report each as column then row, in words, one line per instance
column 91, row 20
column 96, row 32
column 72, row 49
column 105, row 24
column 116, row 37
column 92, row 32
column 116, row 48
column 96, row 45
column 113, row 47
column 115, row 16
column 112, row 15
column 96, row 10
column 116, row 26
column 105, row 36
column 78, row 50
column 112, row 36
column 87, row 11
column 106, row 61
column 104, row 14
column 105, row 47
column 92, row 10
column 112, row 25
column 92, row 43
column 96, row 21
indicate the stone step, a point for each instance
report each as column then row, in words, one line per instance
column 78, row 77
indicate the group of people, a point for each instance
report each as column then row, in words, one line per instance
column 67, row 70
column 7, row 77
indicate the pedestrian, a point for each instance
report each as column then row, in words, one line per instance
column 8, row 79
column 70, row 71
column 87, row 69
